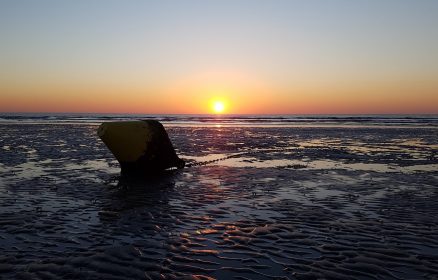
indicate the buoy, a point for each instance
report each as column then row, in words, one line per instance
column 141, row 147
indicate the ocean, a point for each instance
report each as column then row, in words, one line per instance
column 228, row 120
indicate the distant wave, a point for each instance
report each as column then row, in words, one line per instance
column 251, row 120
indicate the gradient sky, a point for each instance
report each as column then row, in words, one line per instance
column 270, row 56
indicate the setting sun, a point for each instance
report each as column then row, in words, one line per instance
column 218, row 107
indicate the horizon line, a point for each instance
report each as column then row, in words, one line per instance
column 231, row 114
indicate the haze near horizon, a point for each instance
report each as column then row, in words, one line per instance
column 253, row 57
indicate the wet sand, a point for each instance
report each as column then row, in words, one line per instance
column 274, row 203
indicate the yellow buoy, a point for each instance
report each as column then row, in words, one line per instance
column 141, row 147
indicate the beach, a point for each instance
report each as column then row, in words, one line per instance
column 269, row 202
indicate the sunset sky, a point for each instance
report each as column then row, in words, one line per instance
column 257, row 57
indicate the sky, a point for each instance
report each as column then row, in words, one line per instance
column 257, row 57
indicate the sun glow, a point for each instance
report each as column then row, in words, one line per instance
column 218, row 107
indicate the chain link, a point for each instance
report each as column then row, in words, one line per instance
column 202, row 163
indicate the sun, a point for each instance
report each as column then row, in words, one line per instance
column 218, row 107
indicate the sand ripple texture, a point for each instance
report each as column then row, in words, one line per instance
column 285, row 203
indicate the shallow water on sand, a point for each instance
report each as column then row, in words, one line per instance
column 276, row 203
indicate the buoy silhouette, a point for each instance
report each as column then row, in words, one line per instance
column 141, row 147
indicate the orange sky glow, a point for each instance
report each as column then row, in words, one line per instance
column 239, row 97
